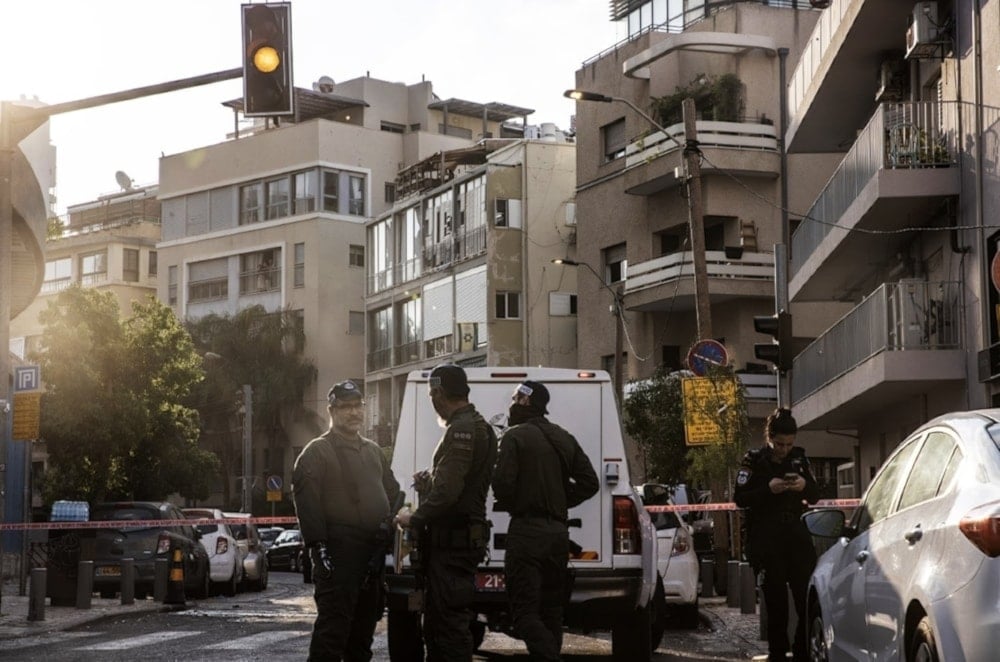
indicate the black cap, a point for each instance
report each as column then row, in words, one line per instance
column 344, row 391
column 537, row 394
column 451, row 379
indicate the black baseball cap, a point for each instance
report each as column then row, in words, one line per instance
column 451, row 379
column 344, row 391
column 537, row 394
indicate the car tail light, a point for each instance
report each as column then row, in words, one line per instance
column 163, row 544
column 982, row 527
column 221, row 546
column 682, row 542
column 626, row 526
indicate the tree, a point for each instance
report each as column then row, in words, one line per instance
column 654, row 418
column 112, row 412
column 262, row 349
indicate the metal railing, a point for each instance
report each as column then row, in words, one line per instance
column 258, row 281
column 668, row 268
column 379, row 359
column 905, row 135
column 908, row 315
column 734, row 135
column 408, row 352
column 815, row 48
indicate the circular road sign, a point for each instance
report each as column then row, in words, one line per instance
column 274, row 483
column 706, row 353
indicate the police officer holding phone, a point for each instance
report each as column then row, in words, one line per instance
column 773, row 484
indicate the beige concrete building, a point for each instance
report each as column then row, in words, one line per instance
column 277, row 217
column 460, row 268
column 905, row 231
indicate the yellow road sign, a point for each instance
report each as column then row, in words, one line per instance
column 703, row 399
column 27, row 414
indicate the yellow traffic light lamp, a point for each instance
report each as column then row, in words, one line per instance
column 267, row 60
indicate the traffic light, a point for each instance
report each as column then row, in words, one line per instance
column 267, row 60
column 779, row 350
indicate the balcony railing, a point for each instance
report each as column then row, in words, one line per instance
column 908, row 315
column 669, row 268
column 379, row 359
column 815, row 48
column 408, row 270
column 458, row 247
column 898, row 136
column 733, row 135
column 258, row 281
column 379, row 281
column 408, row 352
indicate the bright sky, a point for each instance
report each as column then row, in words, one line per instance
column 522, row 52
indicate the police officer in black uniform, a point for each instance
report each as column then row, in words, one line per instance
column 343, row 487
column 452, row 515
column 541, row 473
column 773, row 483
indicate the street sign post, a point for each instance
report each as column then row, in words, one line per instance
column 704, row 354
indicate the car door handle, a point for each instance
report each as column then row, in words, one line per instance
column 914, row 535
column 861, row 557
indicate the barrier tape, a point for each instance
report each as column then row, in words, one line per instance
column 268, row 521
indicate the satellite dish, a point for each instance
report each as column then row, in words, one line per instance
column 123, row 180
column 325, row 85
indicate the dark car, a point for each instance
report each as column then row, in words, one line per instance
column 286, row 551
column 144, row 541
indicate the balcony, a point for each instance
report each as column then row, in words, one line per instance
column 741, row 148
column 461, row 246
column 903, row 339
column 379, row 359
column 895, row 174
column 669, row 279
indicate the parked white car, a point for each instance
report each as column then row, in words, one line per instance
column 225, row 557
column 914, row 574
column 255, row 567
column 677, row 562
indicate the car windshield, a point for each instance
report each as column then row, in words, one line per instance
column 270, row 534
column 203, row 528
column 239, row 531
column 287, row 536
column 126, row 513
column 664, row 521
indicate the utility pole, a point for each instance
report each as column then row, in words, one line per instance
column 619, row 352
column 246, row 501
column 692, row 157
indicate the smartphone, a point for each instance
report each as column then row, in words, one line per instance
column 791, row 477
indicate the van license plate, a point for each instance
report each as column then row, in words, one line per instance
column 490, row 582
column 109, row 571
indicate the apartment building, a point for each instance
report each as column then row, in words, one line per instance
column 460, row 268
column 277, row 217
column 905, row 230
column 108, row 244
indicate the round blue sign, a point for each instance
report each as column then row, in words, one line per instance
column 274, row 483
column 704, row 354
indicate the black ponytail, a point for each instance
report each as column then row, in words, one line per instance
column 781, row 421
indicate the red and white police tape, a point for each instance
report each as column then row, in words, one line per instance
column 269, row 521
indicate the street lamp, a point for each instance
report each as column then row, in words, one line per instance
column 246, row 502
column 703, row 309
column 617, row 309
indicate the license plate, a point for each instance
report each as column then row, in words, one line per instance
column 490, row 582
column 109, row 571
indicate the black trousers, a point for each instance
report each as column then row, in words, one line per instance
column 786, row 570
column 535, row 566
column 347, row 606
column 450, row 591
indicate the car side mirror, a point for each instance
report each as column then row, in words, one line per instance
column 825, row 523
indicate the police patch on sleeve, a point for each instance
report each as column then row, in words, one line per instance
column 742, row 476
column 462, row 441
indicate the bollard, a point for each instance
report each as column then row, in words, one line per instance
column 175, row 580
column 128, row 582
column 748, row 586
column 161, row 570
column 36, row 595
column 763, row 615
column 84, row 584
column 707, row 578
column 733, row 584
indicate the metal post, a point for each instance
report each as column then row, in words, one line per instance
column 733, row 584
column 84, row 584
column 619, row 351
column 36, row 595
column 781, row 256
column 128, row 582
column 246, row 501
column 748, row 588
column 707, row 578
column 6, row 239
column 161, row 571
column 696, row 221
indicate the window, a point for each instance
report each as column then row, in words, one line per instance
column 356, row 323
column 562, row 304
column 356, row 257
column 305, row 191
column 671, row 357
column 278, row 197
column 172, row 285
column 878, row 500
column 390, row 192
column 299, row 277
column 58, row 274
column 299, row 339
column 93, row 268
column 152, row 263
column 507, row 213
column 259, row 273
column 356, row 193
column 615, row 264
column 331, row 191
column 925, row 478
column 392, row 127
column 251, row 201
column 130, row 265
column 613, row 140
column 508, row 305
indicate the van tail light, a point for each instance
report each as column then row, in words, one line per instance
column 682, row 542
column 221, row 545
column 626, row 527
column 163, row 544
column 982, row 527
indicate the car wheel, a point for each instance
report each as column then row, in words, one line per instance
column 816, row 637
column 923, row 645
column 262, row 581
column 205, row 587
column 688, row 616
column 630, row 637
column 406, row 642
column 658, row 618
column 229, row 590
column 293, row 562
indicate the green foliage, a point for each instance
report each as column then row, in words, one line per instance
column 718, row 98
column 112, row 416
column 54, row 228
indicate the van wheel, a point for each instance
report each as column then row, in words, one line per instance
column 923, row 647
column 658, row 616
column 630, row 637
column 406, row 642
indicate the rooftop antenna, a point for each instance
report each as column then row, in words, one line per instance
column 123, row 180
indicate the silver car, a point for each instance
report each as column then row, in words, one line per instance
column 254, row 558
column 914, row 574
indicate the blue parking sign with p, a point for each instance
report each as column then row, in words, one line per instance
column 27, row 378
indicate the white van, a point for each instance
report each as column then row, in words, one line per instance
column 614, row 576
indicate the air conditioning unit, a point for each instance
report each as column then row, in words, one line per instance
column 922, row 32
column 892, row 81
